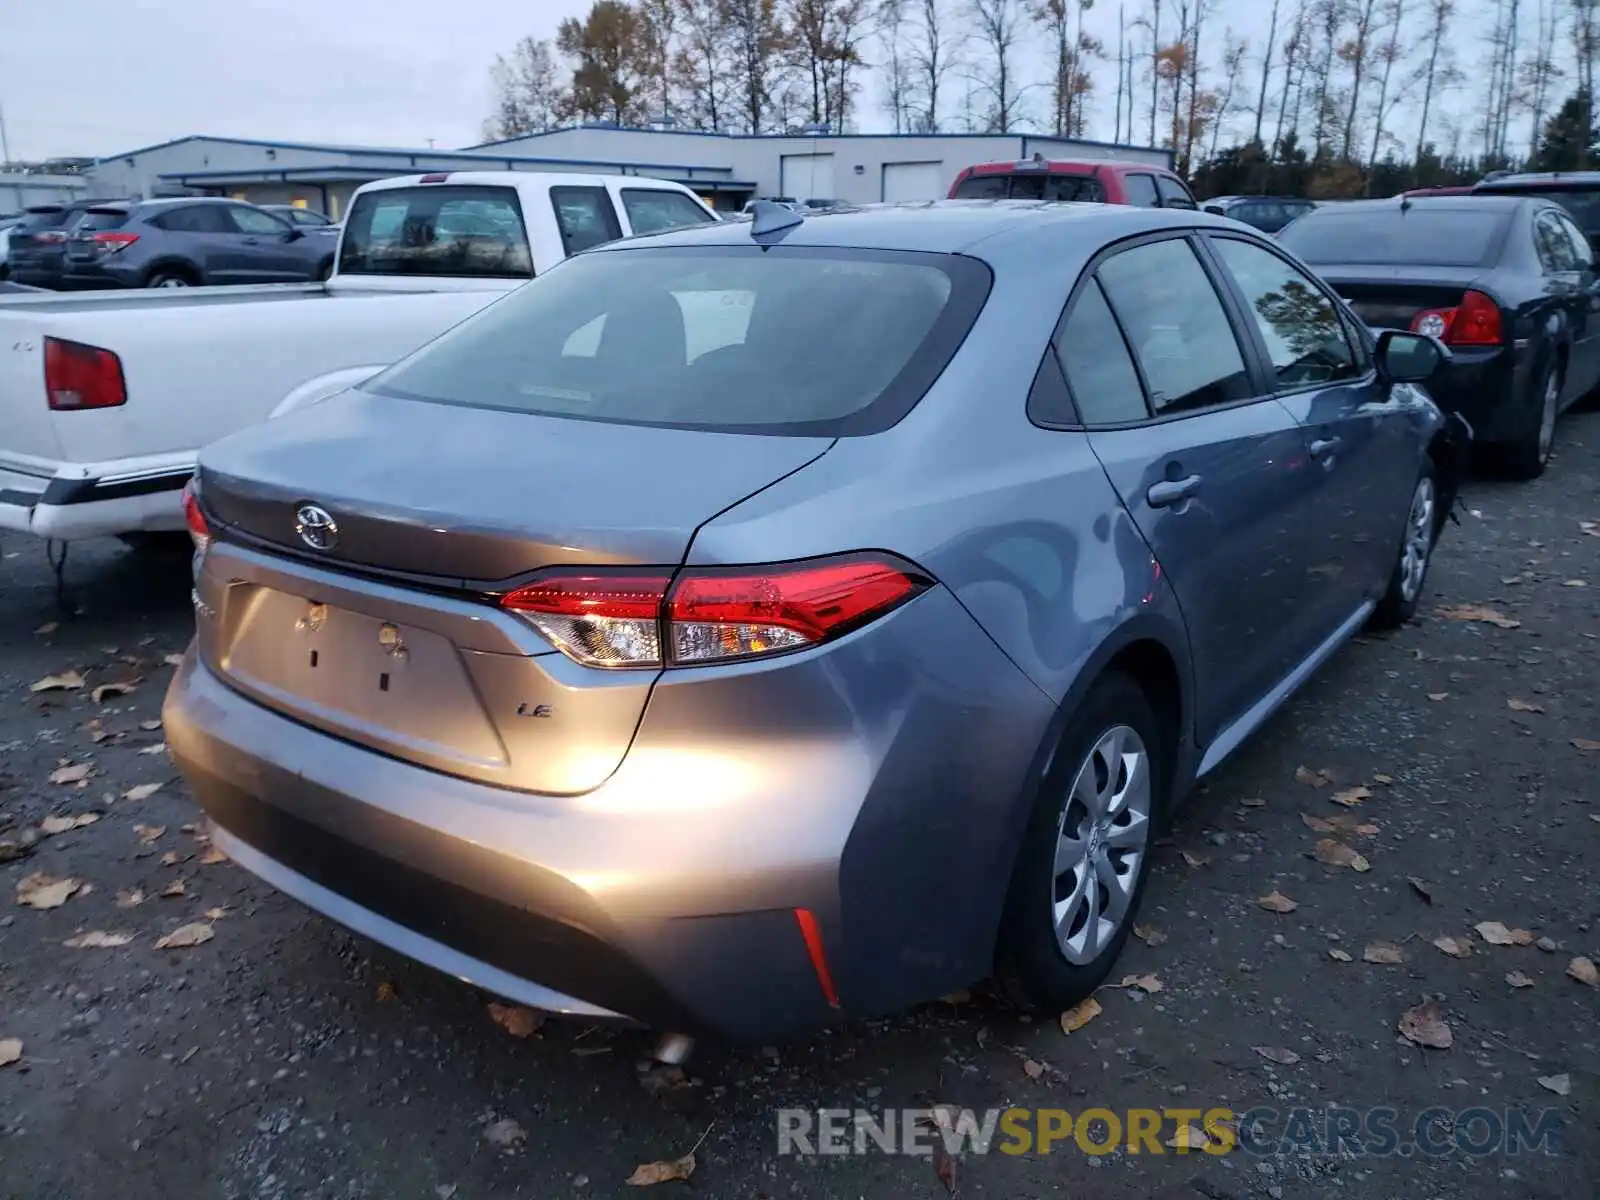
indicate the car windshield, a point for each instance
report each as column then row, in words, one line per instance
column 437, row 230
column 735, row 339
column 1394, row 236
column 42, row 218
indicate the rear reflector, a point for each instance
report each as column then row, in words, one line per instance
column 812, row 933
column 77, row 376
column 647, row 618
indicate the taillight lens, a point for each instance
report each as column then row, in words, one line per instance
column 199, row 530
column 110, row 242
column 78, row 376
column 648, row 618
column 50, row 237
column 1473, row 322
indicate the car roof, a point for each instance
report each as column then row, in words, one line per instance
column 1536, row 180
column 514, row 178
column 1472, row 202
column 944, row 227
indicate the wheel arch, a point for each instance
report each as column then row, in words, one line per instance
column 172, row 265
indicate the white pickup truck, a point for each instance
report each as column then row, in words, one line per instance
column 106, row 397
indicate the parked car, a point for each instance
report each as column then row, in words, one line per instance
column 780, row 600
column 6, row 223
column 308, row 219
column 36, row 249
column 1508, row 283
column 786, row 201
column 1266, row 213
column 1576, row 191
column 1096, row 181
column 166, row 372
column 190, row 243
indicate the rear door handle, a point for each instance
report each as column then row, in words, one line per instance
column 250, row 241
column 1172, row 491
column 1323, row 447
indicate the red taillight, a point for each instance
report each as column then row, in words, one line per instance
column 78, row 376
column 811, row 934
column 1473, row 322
column 111, row 241
column 50, row 237
column 646, row 618
column 199, row 530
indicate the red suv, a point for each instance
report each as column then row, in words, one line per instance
column 1099, row 182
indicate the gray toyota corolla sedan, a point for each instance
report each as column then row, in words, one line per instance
column 746, row 626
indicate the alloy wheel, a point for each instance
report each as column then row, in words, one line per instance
column 1101, row 842
column 1418, row 545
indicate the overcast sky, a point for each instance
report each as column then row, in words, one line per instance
column 366, row 72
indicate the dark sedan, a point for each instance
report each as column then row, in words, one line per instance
column 1508, row 283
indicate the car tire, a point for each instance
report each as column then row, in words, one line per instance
column 163, row 277
column 1410, row 574
column 1529, row 454
column 1109, row 774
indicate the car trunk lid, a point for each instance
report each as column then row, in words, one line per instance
column 388, row 636
column 1390, row 297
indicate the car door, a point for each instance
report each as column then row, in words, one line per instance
column 202, row 235
column 1203, row 463
column 1583, row 363
column 1361, row 454
column 269, row 249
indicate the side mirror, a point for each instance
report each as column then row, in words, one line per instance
column 1409, row 357
column 295, row 234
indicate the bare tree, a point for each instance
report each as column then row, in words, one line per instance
column 700, row 66
column 852, row 27
column 1440, row 13
column 758, row 40
column 1194, row 125
column 658, row 20
column 1329, row 18
column 1357, row 53
column 1502, row 77
column 1540, row 71
column 1233, row 56
column 997, row 25
column 1585, row 44
column 1071, row 81
column 825, row 39
column 1388, row 54
column 1266, row 72
column 1155, row 64
column 1294, row 58
column 891, row 28
column 527, row 98
column 932, row 57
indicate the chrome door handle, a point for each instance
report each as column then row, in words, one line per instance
column 1323, row 447
column 1172, row 491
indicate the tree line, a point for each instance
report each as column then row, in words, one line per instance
column 1333, row 98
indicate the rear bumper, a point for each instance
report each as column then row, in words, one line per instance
column 881, row 792
column 65, row 502
column 1486, row 387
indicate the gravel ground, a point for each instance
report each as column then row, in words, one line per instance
column 287, row 1058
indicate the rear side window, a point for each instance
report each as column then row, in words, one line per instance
column 652, row 210
column 194, row 218
column 1095, row 360
column 254, row 221
column 1173, row 194
column 96, row 220
column 454, row 229
column 585, row 217
column 784, row 340
column 1141, row 190
column 1177, row 326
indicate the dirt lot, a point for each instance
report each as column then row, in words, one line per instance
column 286, row 1058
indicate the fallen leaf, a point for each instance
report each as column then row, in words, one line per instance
column 1339, row 956
column 505, row 1134
column 10, row 1051
column 67, row 681
column 1518, row 980
column 1276, row 902
column 216, row 914
column 1477, row 612
column 1453, row 946
column 958, row 997
column 1561, row 1084
column 1587, row 745
column 172, row 858
column 519, row 1022
column 1425, row 1025
column 149, row 834
column 1149, row 935
column 1317, row 824
column 1548, row 944
column 46, row 891
column 651, row 1173
column 51, row 826
column 1420, row 888
column 185, row 936
column 945, row 1169
column 1497, row 934
column 1335, row 853
column 1188, row 1137
column 1525, row 706
column 1284, row 1058
column 1351, row 797
column 155, row 748
column 1079, row 1015
column 1436, row 696
column 47, row 629
column 1386, row 780
column 173, row 660
column 1584, row 971
column 119, row 687
column 1144, row 983
column 1253, row 802
column 1575, row 583
column 1194, row 860
column 130, row 897
column 76, row 773
column 142, row 791
column 1033, row 1070
column 149, row 726
column 98, row 939
column 386, row 992
column 173, row 890
column 212, row 857
column 1384, row 954
column 16, row 850
column 1312, row 778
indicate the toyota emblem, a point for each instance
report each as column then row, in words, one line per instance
column 316, row 527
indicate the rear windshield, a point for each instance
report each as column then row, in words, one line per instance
column 1392, row 236
column 1036, row 185
column 784, row 340
column 97, row 219
column 42, row 218
column 475, row 232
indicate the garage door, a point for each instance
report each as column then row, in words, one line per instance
column 912, row 181
column 808, row 176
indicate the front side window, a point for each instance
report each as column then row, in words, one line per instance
column 195, row 218
column 1306, row 341
column 1582, row 252
column 1094, row 358
column 255, row 222
column 447, row 229
column 737, row 339
column 585, row 217
column 1142, row 191
column 1173, row 194
column 655, row 210
column 1177, row 326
